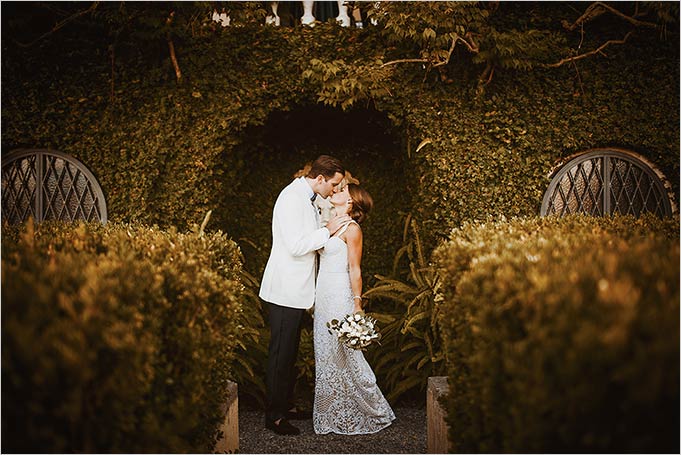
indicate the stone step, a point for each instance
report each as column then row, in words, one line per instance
column 438, row 430
column 229, row 442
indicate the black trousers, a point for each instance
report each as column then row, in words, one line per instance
column 285, row 324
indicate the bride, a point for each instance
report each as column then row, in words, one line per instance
column 347, row 399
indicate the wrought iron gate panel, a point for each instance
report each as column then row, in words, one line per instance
column 580, row 190
column 603, row 182
column 633, row 191
column 49, row 185
column 19, row 183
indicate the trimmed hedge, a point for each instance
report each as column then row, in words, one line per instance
column 117, row 338
column 562, row 335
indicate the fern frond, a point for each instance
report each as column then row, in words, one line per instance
column 405, row 232
column 419, row 248
column 414, row 275
column 383, row 318
column 413, row 344
column 398, row 257
column 419, row 298
column 414, row 332
column 415, row 358
column 410, row 322
column 422, row 362
column 403, row 386
column 244, row 363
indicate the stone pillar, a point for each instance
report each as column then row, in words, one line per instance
column 343, row 17
column 229, row 442
column 438, row 430
column 308, row 18
column 273, row 19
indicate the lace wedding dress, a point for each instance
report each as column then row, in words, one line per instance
column 347, row 399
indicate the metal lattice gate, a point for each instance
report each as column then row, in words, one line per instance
column 604, row 182
column 49, row 185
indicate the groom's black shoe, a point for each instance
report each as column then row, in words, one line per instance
column 284, row 427
column 298, row 415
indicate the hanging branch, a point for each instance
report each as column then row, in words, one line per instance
column 61, row 24
column 587, row 54
column 579, row 78
column 171, row 48
column 471, row 47
column 112, row 50
column 405, row 60
column 487, row 74
column 596, row 9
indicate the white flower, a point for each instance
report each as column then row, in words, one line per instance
column 356, row 331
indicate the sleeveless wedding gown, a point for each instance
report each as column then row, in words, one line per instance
column 347, row 399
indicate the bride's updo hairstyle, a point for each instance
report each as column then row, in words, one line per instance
column 362, row 203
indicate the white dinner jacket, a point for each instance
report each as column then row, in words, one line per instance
column 289, row 277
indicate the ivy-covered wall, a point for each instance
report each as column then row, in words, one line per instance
column 363, row 139
column 167, row 154
column 492, row 154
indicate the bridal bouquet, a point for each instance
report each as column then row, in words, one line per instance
column 356, row 331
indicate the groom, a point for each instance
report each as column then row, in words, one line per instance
column 288, row 284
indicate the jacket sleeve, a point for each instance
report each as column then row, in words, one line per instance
column 293, row 224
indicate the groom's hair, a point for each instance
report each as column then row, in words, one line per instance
column 327, row 166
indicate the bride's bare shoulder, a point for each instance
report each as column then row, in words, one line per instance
column 353, row 232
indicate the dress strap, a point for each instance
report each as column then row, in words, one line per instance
column 344, row 228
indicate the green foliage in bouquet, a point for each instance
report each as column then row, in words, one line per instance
column 116, row 338
column 562, row 335
column 356, row 331
column 410, row 348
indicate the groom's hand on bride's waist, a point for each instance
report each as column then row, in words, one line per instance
column 335, row 223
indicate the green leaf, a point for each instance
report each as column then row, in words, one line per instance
column 413, row 319
column 404, row 386
column 413, row 344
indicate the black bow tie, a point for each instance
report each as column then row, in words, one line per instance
column 314, row 196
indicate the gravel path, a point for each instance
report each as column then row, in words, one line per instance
column 407, row 434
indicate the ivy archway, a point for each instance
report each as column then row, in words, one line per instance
column 365, row 140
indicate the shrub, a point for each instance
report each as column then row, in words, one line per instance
column 116, row 338
column 562, row 335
